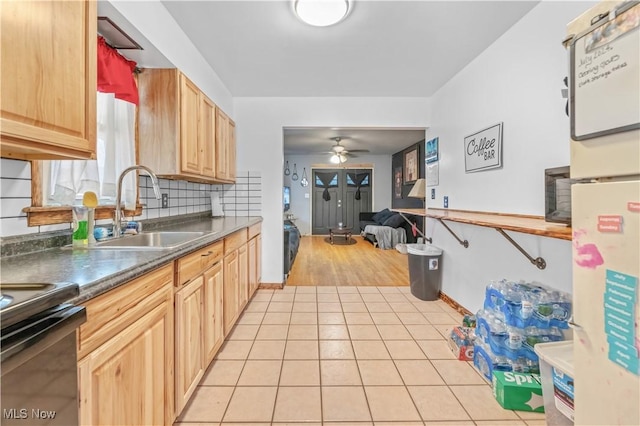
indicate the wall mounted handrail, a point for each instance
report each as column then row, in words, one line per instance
column 538, row 261
column 463, row 243
column 429, row 240
column 526, row 224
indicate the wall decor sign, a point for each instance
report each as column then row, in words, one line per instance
column 433, row 178
column 605, row 62
column 411, row 167
column 397, row 182
column 483, row 149
column 432, row 151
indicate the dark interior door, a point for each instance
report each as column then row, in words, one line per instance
column 339, row 195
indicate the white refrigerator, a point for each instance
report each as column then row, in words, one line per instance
column 605, row 151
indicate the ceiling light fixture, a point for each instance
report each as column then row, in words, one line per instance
column 321, row 13
column 338, row 158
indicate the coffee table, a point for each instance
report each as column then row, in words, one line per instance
column 340, row 231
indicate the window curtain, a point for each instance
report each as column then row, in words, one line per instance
column 116, row 99
column 115, row 73
column 325, row 182
column 360, row 180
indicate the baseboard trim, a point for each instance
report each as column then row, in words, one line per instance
column 271, row 286
column 455, row 305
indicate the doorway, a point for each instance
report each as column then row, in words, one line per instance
column 338, row 196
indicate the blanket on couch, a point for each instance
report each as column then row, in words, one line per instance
column 386, row 236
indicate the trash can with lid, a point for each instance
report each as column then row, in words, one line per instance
column 425, row 270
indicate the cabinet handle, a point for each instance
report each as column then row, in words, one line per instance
column 209, row 253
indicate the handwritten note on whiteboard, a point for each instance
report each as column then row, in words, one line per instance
column 605, row 82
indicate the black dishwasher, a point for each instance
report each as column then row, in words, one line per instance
column 39, row 384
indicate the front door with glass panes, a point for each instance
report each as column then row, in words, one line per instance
column 339, row 195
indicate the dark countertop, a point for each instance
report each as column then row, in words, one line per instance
column 98, row 271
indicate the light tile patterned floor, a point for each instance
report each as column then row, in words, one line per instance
column 344, row 356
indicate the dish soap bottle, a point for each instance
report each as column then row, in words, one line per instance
column 80, row 226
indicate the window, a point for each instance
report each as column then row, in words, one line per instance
column 359, row 180
column 65, row 181
column 332, row 180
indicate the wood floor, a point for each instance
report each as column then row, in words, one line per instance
column 320, row 263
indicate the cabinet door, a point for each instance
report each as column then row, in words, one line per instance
column 213, row 308
column 189, row 354
column 189, row 108
column 253, row 266
column 48, row 79
column 222, row 145
column 243, row 277
column 230, row 310
column 259, row 260
column 207, row 136
column 231, row 149
column 123, row 382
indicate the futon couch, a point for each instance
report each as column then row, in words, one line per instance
column 385, row 218
column 291, row 243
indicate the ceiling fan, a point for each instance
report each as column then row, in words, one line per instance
column 339, row 153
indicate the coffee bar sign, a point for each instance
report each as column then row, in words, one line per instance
column 483, row 149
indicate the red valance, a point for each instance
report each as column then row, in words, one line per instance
column 115, row 73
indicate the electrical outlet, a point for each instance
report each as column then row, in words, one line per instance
column 433, row 193
column 165, row 201
column 446, row 202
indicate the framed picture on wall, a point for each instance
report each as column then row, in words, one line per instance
column 397, row 182
column 411, row 170
column 432, row 151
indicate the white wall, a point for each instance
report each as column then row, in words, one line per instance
column 517, row 81
column 154, row 21
column 301, row 206
column 259, row 127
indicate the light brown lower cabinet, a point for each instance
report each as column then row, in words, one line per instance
column 125, row 352
column 254, row 246
column 137, row 333
column 189, row 340
column 213, row 307
column 231, row 297
column 243, row 277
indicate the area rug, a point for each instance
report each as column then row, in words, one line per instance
column 340, row 240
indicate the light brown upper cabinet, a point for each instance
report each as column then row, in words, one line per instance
column 179, row 128
column 225, row 148
column 48, row 78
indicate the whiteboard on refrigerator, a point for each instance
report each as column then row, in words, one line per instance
column 605, row 75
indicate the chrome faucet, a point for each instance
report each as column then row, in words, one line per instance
column 117, row 214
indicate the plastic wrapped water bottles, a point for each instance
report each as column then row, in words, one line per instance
column 516, row 317
column 528, row 304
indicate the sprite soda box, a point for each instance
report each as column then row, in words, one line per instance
column 518, row 391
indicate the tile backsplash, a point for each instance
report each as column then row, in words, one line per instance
column 244, row 198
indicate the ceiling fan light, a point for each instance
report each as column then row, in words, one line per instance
column 335, row 159
column 338, row 149
column 321, row 13
column 343, row 158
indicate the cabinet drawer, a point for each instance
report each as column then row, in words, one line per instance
column 235, row 240
column 193, row 264
column 112, row 312
column 254, row 230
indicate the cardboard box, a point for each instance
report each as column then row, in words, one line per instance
column 461, row 342
column 518, row 391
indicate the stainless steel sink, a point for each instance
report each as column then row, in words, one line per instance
column 151, row 241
